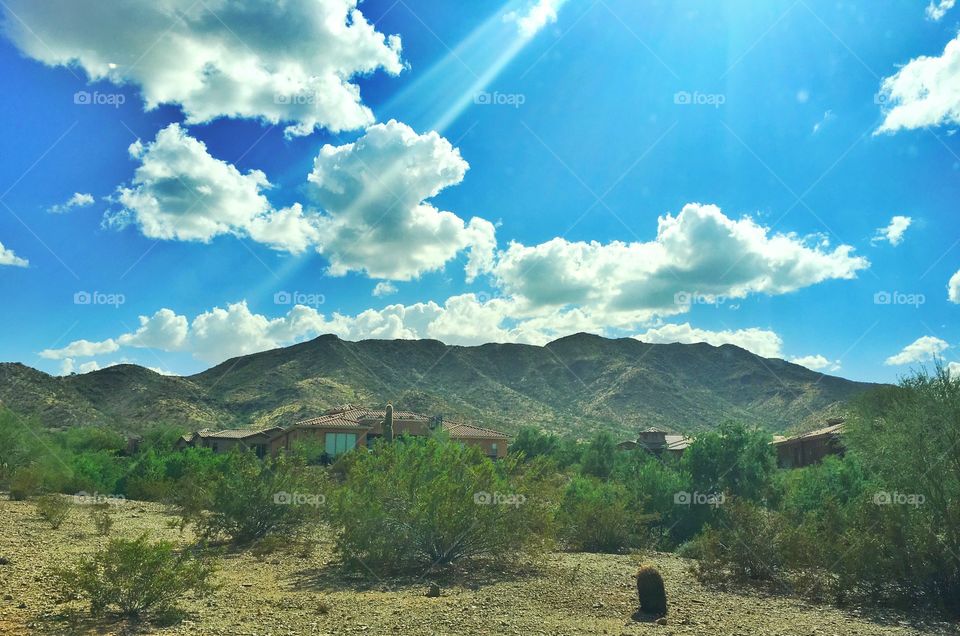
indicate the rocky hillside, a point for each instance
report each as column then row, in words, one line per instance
column 575, row 384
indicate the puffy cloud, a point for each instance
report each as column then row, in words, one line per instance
column 816, row 362
column 78, row 200
column 372, row 191
column 921, row 350
column 81, row 349
column 954, row 369
column 924, row 92
column 376, row 220
column 936, row 11
column 893, row 232
column 289, row 61
column 164, row 330
column 953, row 288
column 700, row 251
column 68, row 366
column 384, row 288
column 179, row 191
column 537, row 14
column 759, row 341
column 7, row 257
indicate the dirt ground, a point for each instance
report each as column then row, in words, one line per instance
column 289, row 593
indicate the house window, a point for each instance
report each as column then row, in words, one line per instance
column 338, row 443
column 260, row 450
column 493, row 449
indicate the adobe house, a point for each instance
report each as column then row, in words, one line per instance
column 226, row 440
column 342, row 429
column 805, row 449
column 658, row 442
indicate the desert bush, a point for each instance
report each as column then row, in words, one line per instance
column 253, row 499
column 744, row 544
column 135, row 577
column 54, row 509
column 733, row 460
column 101, row 515
column 600, row 456
column 422, row 503
column 650, row 591
column 594, row 517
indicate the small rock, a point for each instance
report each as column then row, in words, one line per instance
column 598, row 605
column 661, row 621
column 4, row 561
column 434, row 591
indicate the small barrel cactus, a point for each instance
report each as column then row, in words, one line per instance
column 650, row 591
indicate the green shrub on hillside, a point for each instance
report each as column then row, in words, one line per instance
column 416, row 504
column 134, row 577
column 595, row 516
column 253, row 498
column 54, row 509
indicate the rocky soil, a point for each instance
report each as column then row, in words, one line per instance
column 302, row 592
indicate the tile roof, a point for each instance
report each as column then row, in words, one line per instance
column 835, row 429
column 357, row 418
column 458, row 430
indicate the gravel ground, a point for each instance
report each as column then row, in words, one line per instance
column 287, row 594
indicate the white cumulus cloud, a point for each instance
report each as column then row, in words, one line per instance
column 373, row 192
column 81, row 349
column 7, row 257
column 816, row 362
column 759, row 341
column 698, row 252
column 921, row 350
column 384, row 288
column 290, row 61
column 894, row 231
column 924, row 92
column 78, row 200
column 534, row 16
column 953, row 288
column 936, row 10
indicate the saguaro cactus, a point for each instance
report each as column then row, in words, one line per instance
column 388, row 424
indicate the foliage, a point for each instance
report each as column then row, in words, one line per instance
column 600, row 456
column 54, row 509
column 421, row 503
column 594, row 517
column 733, row 460
column 101, row 515
column 134, row 577
column 745, row 543
column 252, row 499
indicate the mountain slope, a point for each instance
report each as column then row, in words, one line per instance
column 574, row 384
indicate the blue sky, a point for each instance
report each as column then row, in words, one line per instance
column 780, row 175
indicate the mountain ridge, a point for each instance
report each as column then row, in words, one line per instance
column 574, row 384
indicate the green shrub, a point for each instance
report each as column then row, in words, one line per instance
column 422, row 503
column 101, row 515
column 134, row 577
column 54, row 509
column 594, row 517
column 253, row 499
column 733, row 460
column 600, row 457
column 745, row 544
